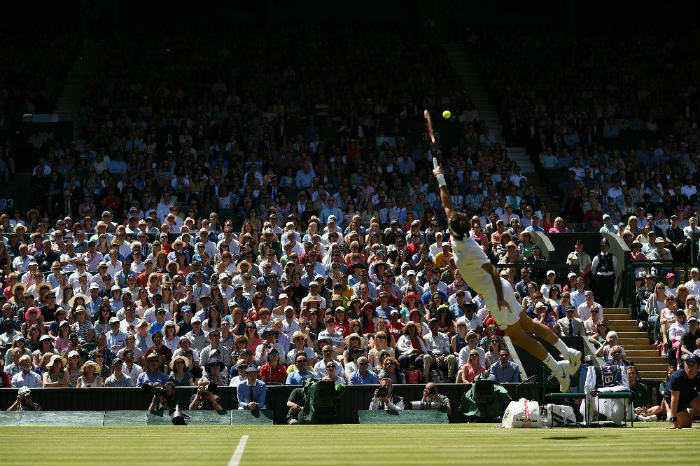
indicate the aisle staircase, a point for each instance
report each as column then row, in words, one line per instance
column 487, row 112
column 636, row 344
column 68, row 104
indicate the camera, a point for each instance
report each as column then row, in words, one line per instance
column 211, row 388
column 382, row 392
column 432, row 390
column 151, row 390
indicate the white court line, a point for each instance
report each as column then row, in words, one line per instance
column 236, row 458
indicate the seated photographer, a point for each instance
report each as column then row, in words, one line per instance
column 163, row 396
column 251, row 393
column 384, row 399
column 432, row 400
column 24, row 401
column 205, row 398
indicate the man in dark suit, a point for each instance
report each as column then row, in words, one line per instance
column 571, row 326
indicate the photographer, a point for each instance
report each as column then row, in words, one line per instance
column 163, row 396
column 205, row 397
column 24, row 401
column 383, row 398
column 433, row 400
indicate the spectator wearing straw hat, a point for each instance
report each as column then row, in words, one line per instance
column 90, row 375
column 56, row 375
column 181, row 375
column 152, row 373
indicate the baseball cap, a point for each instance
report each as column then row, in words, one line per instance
column 571, row 274
column 693, row 358
column 670, row 274
column 113, row 320
column 551, row 272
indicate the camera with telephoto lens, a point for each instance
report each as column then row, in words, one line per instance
column 211, row 388
column 382, row 392
column 432, row 390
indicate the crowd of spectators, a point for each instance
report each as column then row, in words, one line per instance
column 258, row 203
column 613, row 126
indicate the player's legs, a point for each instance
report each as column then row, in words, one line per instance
column 529, row 325
column 544, row 332
column 526, row 342
column 560, row 369
column 685, row 416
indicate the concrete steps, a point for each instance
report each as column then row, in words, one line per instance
column 68, row 103
column 636, row 344
column 485, row 108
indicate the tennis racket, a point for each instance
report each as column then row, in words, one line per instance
column 431, row 136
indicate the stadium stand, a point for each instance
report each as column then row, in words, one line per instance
column 240, row 202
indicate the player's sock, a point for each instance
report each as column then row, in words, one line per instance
column 550, row 362
column 561, row 346
column 574, row 356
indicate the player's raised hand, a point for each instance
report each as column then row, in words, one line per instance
column 437, row 170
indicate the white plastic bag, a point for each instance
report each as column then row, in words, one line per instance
column 522, row 414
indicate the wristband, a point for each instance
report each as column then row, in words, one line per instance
column 441, row 180
column 673, row 419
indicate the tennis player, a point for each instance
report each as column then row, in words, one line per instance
column 481, row 275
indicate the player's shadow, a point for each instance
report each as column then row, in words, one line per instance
column 579, row 437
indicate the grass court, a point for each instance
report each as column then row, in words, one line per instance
column 382, row 445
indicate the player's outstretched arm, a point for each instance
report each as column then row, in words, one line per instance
column 444, row 192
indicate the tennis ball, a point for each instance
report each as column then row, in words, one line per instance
column 446, row 114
